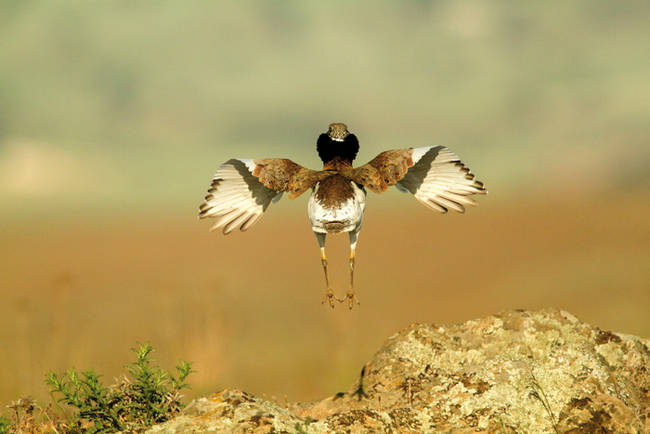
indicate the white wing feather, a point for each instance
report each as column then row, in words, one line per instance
column 440, row 180
column 236, row 198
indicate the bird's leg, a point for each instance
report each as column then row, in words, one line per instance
column 350, row 295
column 329, row 294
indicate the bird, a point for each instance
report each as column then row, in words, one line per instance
column 242, row 189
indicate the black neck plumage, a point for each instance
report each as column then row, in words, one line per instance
column 329, row 149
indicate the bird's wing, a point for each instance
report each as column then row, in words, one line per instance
column 434, row 175
column 242, row 189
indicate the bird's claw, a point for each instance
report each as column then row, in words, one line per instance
column 329, row 298
column 350, row 297
column 352, row 300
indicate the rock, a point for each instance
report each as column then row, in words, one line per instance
column 517, row 371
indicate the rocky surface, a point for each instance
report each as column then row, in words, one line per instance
column 518, row 371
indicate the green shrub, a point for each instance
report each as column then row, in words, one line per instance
column 146, row 396
column 151, row 395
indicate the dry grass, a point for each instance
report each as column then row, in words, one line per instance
column 247, row 311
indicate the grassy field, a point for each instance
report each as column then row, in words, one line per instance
column 246, row 308
column 113, row 117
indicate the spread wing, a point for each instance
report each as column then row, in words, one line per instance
column 434, row 175
column 242, row 189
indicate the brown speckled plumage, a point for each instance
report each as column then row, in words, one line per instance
column 281, row 174
column 337, row 164
column 334, row 191
column 384, row 170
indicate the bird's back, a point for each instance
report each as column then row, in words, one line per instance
column 336, row 205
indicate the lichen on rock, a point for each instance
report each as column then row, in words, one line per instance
column 517, row 371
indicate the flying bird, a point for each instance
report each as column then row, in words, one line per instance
column 242, row 189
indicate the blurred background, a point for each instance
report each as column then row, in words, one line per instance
column 115, row 115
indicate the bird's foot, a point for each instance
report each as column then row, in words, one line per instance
column 352, row 299
column 329, row 298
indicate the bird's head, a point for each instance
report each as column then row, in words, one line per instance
column 337, row 143
column 338, row 132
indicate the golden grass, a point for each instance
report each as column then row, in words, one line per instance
column 246, row 309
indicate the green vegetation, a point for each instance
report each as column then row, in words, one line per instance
column 149, row 395
column 4, row 425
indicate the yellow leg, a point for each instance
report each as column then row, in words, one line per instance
column 352, row 299
column 329, row 294
column 351, row 269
